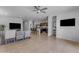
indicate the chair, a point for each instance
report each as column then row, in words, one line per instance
column 27, row 34
column 19, row 35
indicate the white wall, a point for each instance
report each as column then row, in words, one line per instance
column 69, row 33
column 50, row 25
column 28, row 25
column 6, row 20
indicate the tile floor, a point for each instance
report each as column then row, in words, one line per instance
column 41, row 44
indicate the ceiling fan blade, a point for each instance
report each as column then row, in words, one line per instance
column 34, row 10
column 36, row 7
column 44, row 9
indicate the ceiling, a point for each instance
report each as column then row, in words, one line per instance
column 27, row 13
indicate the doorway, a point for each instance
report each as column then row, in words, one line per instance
column 54, row 18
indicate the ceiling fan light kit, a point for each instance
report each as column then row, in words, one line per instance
column 38, row 9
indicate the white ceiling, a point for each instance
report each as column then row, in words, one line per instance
column 27, row 13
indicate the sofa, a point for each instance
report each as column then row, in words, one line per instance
column 13, row 35
column 23, row 35
column 10, row 35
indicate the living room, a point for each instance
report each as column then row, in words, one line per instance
column 26, row 27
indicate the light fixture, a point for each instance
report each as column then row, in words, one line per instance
column 38, row 9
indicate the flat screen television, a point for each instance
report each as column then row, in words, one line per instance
column 14, row 25
column 67, row 22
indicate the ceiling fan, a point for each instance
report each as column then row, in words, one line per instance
column 38, row 9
